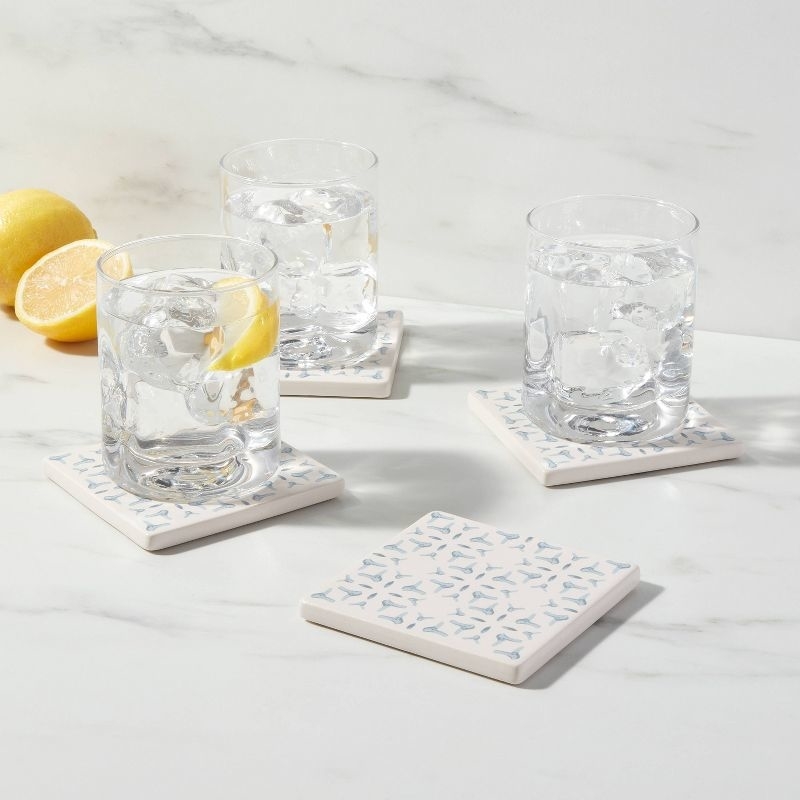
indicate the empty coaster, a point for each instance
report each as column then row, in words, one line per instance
column 497, row 603
column 372, row 377
column 556, row 461
column 301, row 481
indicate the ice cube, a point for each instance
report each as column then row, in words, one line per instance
column 638, row 313
column 669, row 263
column 348, row 239
column 537, row 344
column 285, row 212
column 659, row 304
column 195, row 312
column 300, row 295
column 220, row 398
column 179, row 281
column 246, row 204
column 155, row 317
column 203, row 400
column 180, row 341
column 588, row 366
column 114, row 400
column 630, row 267
column 167, row 358
column 346, row 294
column 124, row 304
column 587, row 268
column 565, row 264
column 141, row 351
column 628, row 353
column 584, row 307
column 559, row 266
column 300, row 249
column 329, row 204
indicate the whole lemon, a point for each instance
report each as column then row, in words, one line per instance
column 34, row 222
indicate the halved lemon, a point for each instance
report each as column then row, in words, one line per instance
column 249, row 329
column 34, row 222
column 56, row 296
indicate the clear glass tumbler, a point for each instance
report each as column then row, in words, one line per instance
column 609, row 318
column 314, row 203
column 188, row 329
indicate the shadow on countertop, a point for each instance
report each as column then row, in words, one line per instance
column 74, row 348
column 769, row 427
column 392, row 489
column 480, row 353
column 562, row 662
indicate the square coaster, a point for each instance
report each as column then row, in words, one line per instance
column 556, row 461
column 373, row 377
column 457, row 591
column 301, row 481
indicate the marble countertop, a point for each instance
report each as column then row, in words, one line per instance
column 188, row 673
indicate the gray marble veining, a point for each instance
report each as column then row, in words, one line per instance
column 477, row 115
column 195, row 662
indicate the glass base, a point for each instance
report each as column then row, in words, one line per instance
column 316, row 346
column 603, row 425
column 190, row 468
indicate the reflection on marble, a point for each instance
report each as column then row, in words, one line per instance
column 195, row 663
column 477, row 113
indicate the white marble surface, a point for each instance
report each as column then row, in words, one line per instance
column 478, row 111
column 128, row 674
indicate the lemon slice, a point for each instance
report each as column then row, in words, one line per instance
column 56, row 296
column 249, row 322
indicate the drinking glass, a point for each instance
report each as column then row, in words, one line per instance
column 609, row 318
column 187, row 334
column 313, row 202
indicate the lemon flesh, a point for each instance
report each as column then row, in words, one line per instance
column 249, row 329
column 57, row 296
column 34, row 222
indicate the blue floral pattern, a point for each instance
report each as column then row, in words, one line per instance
column 478, row 589
column 699, row 432
column 296, row 475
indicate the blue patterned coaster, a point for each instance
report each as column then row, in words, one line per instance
column 372, row 377
column 301, row 481
column 457, row 591
column 556, row 461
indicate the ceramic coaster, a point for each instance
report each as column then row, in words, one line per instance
column 373, row 377
column 556, row 461
column 497, row 603
column 299, row 482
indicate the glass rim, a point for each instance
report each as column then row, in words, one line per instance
column 177, row 237
column 308, row 140
column 569, row 240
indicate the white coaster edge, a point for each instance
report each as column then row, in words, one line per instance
column 709, row 452
column 187, row 530
column 470, row 662
column 568, row 635
column 363, row 618
column 348, row 383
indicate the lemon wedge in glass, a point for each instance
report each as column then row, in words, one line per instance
column 249, row 327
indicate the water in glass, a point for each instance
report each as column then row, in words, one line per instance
column 608, row 339
column 326, row 239
column 189, row 395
